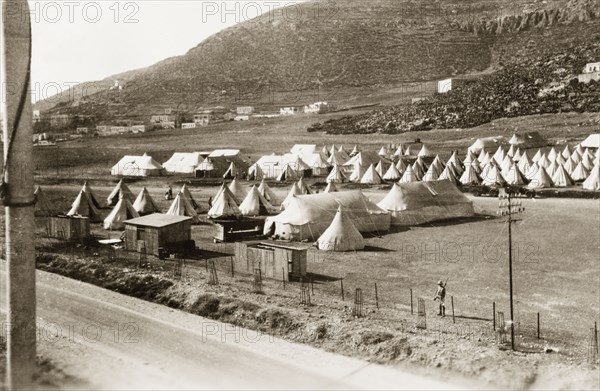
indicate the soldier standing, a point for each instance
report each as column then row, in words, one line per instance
column 440, row 296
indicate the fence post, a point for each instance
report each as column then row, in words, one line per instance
column 452, row 302
column 283, row 277
column 411, row 302
column 232, row 268
column 342, row 288
column 376, row 297
column 538, row 325
column 494, row 314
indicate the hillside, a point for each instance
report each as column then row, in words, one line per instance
column 324, row 45
column 539, row 86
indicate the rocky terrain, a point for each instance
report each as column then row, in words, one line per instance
column 539, row 86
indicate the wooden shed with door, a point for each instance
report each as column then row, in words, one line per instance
column 275, row 261
column 68, row 227
column 157, row 231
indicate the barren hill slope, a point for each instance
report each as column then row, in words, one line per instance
column 351, row 43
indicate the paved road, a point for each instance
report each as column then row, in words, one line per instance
column 111, row 341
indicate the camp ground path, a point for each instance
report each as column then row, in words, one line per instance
column 111, row 341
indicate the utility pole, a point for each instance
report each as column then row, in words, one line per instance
column 508, row 207
column 16, row 194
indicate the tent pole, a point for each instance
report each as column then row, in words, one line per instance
column 17, row 195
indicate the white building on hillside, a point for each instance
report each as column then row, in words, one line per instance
column 288, row 110
column 317, row 108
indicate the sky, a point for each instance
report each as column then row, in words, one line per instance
column 77, row 41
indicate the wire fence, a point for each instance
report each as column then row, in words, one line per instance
column 534, row 331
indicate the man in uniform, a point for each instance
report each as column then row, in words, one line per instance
column 440, row 295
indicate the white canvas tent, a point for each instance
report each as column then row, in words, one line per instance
column 485, row 159
column 528, row 140
column 433, row 173
column 306, row 217
column 83, row 206
column 188, row 196
column 561, row 177
column 380, row 168
column 492, row 176
column 455, row 160
column 392, row 174
column 513, row 175
column 237, row 190
column 269, row 195
column 232, row 172
column 181, row 207
column 217, row 164
column 255, row 204
column 409, row 176
column 341, row 235
column 294, row 191
column 469, row 176
column 337, row 158
column 486, row 143
column 449, row 174
column 419, row 168
column 336, row 175
column 255, row 172
column 524, row 162
column 303, row 149
column 183, row 162
column 302, row 186
column 593, row 180
column 580, row 173
column 401, row 166
column 287, row 174
column 370, row 177
column 121, row 189
column 144, row 204
column 87, row 189
column 131, row 165
column 224, row 205
column 592, row 141
column 423, row 202
column 318, row 163
column 122, row 211
column 357, row 172
column 425, row 152
column 540, row 178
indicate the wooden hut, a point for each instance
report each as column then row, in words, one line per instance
column 275, row 261
column 157, row 232
column 68, row 227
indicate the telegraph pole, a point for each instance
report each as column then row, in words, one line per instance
column 508, row 207
column 16, row 194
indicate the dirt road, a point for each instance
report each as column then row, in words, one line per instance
column 111, row 341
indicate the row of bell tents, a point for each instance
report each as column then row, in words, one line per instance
column 123, row 202
column 552, row 169
column 398, row 207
